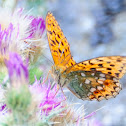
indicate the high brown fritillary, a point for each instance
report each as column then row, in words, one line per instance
column 94, row 79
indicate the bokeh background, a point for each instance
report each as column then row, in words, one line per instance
column 93, row 28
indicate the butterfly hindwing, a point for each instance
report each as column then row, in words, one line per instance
column 93, row 86
column 58, row 44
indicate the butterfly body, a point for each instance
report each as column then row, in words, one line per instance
column 59, row 77
column 94, row 79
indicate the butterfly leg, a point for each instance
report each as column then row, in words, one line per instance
column 47, row 76
column 56, row 92
column 63, row 94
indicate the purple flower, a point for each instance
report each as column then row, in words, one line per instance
column 2, row 107
column 5, row 38
column 16, row 67
column 37, row 28
column 21, row 33
column 50, row 98
column 3, row 111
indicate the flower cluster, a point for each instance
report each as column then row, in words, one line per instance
column 21, row 33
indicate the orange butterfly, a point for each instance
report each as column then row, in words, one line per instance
column 94, row 79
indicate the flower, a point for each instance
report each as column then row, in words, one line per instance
column 36, row 40
column 18, row 72
column 48, row 98
column 21, row 33
column 3, row 109
column 37, row 28
column 44, row 105
column 18, row 96
column 54, row 107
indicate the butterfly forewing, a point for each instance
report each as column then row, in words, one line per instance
column 58, row 44
column 112, row 65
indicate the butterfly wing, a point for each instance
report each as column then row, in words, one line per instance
column 96, row 78
column 58, row 44
column 112, row 65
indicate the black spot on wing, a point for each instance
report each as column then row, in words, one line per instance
column 118, row 60
column 72, row 64
column 53, row 42
column 60, row 51
column 109, row 69
column 112, row 65
column 117, row 74
column 56, row 41
column 109, row 73
column 62, row 43
column 100, row 65
column 90, row 63
column 58, row 36
column 120, row 71
column 93, row 69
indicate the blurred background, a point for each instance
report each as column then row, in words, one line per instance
column 93, row 28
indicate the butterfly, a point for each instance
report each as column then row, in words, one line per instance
column 94, row 79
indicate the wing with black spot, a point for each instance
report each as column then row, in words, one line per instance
column 58, row 44
column 97, row 78
column 90, row 85
column 112, row 65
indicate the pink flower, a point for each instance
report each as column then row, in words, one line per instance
column 16, row 67
column 21, row 33
column 37, row 28
column 2, row 107
column 50, row 98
